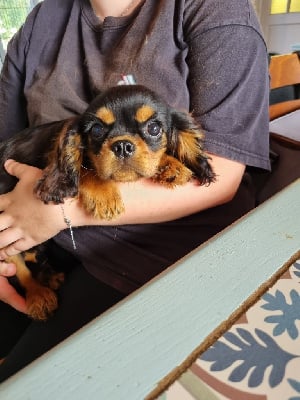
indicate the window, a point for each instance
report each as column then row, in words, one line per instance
column 285, row 6
column 295, row 6
column 12, row 16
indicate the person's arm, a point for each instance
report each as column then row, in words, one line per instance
column 25, row 221
column 13, row 104
column 149, row 202
column 228, row 80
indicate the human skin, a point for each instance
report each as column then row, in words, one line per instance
column 145, row 202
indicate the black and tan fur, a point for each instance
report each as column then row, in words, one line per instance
column 126, row 133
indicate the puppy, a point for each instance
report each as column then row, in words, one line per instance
column 126, row 133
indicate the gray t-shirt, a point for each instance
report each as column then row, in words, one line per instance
column 207, row 57
column 204, row 56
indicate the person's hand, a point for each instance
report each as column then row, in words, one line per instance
column 26, row 221
column 7, row 293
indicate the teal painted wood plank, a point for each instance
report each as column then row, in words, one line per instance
column 124, row 353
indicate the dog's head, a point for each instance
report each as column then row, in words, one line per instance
column 123, row 136
column 126, row 130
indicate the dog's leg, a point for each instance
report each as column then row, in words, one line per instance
column 46, row 275
column 41, row 301
column 171, row 172
column 100, row 198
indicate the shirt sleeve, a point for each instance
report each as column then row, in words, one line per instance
column 13, row 114
column 229, row 89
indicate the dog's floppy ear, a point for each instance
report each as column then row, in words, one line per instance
column 186, row 144
column 61, row 176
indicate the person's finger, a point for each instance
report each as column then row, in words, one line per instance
column 8, row 237
column 7, row 269
column 19, row 170
column 4, row 202
column 10, row 296
column 5, row 220
column 14, row 168
column 16, row 247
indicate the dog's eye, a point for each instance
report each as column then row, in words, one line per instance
column 97, row 130
column 154, row 128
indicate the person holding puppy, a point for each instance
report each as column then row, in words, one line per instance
column 207, row 57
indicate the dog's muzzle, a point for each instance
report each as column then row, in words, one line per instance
column 123, row 148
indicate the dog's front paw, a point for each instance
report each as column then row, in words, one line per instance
column 105, row 204
column 172, row 172
column 103, row 209
column 41, row 303
column 109, row 210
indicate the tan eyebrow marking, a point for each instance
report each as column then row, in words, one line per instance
column 106, row 115
column 144, row 113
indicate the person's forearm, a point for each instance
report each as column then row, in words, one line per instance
column 21, row 212
column 149, row 202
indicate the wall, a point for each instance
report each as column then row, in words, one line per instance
column 282, row 31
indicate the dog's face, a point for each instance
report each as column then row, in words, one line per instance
column 125, row 133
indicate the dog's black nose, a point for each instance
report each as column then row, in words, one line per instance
column 123, row 148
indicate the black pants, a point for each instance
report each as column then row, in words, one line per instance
column 83, row 297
